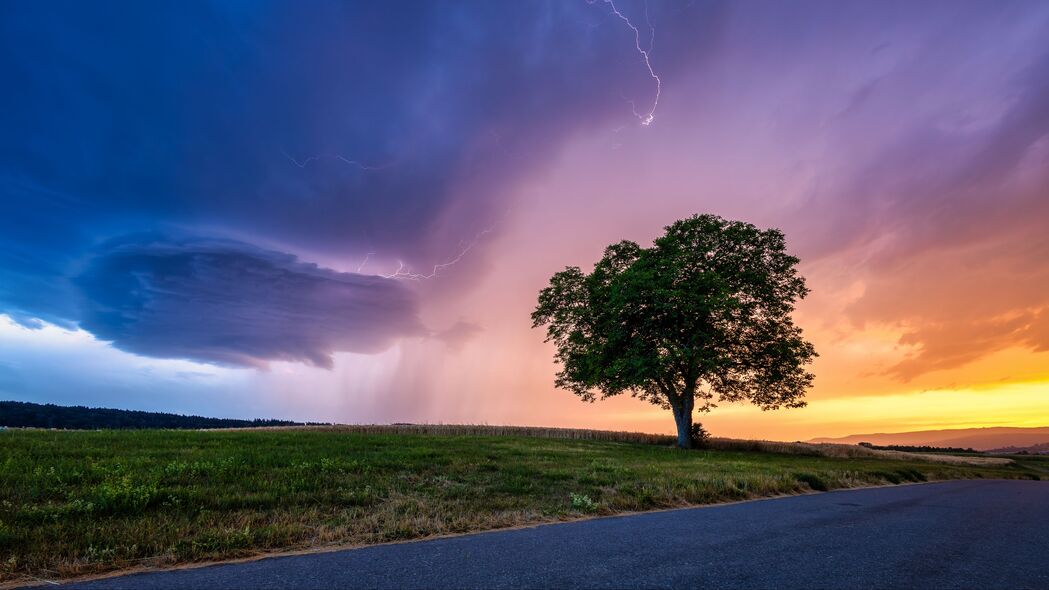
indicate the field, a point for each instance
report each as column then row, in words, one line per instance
column 79, row 502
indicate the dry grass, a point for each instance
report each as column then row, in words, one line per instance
column 949, row 459
column 847, row 452
column 484, row 430
column 721, row 444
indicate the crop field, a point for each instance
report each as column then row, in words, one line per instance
column 80, row 502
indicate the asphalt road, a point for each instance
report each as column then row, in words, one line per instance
column 962, row 534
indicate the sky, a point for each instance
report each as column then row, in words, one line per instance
column 339, row 211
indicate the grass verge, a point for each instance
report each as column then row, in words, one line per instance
column 74, row 503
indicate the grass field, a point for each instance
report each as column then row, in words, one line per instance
column 86, row 502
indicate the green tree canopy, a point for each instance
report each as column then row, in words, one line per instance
column 703, row 315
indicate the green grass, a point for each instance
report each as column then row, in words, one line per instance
column 1038, row 464
column 73, row 503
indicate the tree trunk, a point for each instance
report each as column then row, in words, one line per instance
column 683, row 417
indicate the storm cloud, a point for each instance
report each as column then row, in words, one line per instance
column 228, row 182
column 229, row 303
column 335, row 131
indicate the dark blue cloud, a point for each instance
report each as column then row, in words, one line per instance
column 244, row 120
column 230, row 303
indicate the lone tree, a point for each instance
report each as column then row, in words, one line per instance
column 703, row 313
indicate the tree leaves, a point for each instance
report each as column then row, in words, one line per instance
column 703, row 314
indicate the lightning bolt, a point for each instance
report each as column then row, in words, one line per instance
column 645, row 118
column 355, row 163
column 360, row 267
column 401, row 273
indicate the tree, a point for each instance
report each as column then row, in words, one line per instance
column 702, row 315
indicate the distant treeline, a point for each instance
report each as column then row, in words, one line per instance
column 918, row 449
column 28, row 415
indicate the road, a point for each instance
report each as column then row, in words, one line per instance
column 960, row 534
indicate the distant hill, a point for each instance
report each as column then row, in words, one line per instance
column 1038, row 449
column 981, row 439
column 29, row 415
